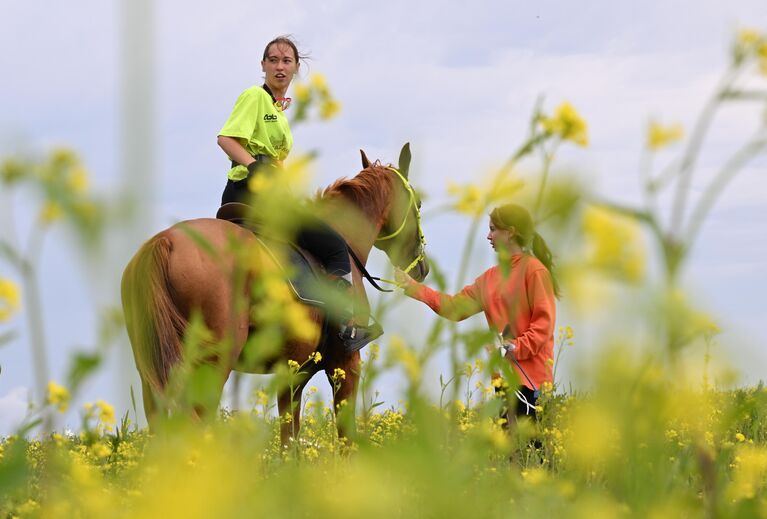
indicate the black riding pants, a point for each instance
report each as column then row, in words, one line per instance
column 314, row 235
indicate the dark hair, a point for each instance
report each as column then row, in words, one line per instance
column 512, row 215
column 285, row 39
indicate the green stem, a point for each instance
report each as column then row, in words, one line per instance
column 726, row 174
column 693, row 149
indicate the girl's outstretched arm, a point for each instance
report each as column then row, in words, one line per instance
column 455, row 307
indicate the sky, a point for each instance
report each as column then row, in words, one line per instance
column 458, row 83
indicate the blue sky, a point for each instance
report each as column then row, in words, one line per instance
column 458, row 85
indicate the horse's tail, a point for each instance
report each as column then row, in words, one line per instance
column 155, row 324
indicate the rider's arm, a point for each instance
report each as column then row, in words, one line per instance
column 234, row 150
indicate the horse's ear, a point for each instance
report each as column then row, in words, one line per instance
column 404, row 160
column 365, row 161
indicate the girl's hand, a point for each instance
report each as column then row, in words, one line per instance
column 402, row 278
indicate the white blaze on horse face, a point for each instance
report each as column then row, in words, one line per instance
column 279, row 66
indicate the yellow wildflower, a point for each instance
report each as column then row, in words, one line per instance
column 749, row 474
column 300, row 324
column 329, row 108
column 740, row 437
column 277, row 290
column 262, row 398
column 101, row 450
column 613, row 244
column 106, row 414
column 659, row 136
column 469, row 198
column 78, row 180
column 316, row 357
column 9, row 299
column 51, row 212
column 567, row 124
column 63, row 158
column 748, row 37
column 58, row 396
column 338, row 374
column 293, row 365
column 761, row 54
column 301, row 92
column 318, row 83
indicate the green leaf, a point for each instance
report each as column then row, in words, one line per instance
column 7, row 337
column 14, row 469
column 82, row 366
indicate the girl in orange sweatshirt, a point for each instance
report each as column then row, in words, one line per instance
column 517, row 296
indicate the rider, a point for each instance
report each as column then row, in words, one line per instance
column 257, row 139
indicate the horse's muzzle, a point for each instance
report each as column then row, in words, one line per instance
column 421, row 270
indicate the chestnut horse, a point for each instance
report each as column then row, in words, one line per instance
column 191, row 269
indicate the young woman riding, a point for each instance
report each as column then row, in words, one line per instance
column 257, row 139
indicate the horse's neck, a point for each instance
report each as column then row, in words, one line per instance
column 359, row 232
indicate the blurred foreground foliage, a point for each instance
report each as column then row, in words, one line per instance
column 658, row 449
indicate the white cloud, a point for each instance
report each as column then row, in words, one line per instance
column 13, row 409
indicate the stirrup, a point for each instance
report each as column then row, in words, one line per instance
column 357, row 337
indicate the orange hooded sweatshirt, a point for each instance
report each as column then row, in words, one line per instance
column 523, row 299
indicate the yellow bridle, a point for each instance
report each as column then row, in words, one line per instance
column 412, row 203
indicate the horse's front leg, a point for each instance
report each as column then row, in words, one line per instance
column 343, row 376
column 289, row 407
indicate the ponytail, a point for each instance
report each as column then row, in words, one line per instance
column 542, row 252
column 516, row 216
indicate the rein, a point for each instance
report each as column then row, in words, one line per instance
column 422, row 252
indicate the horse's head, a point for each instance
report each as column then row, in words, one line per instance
column 401, row 236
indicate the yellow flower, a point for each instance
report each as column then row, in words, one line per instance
column 567, row 124
column 748, row 37
column 338, row 374
column 51, row 212
column 78, row 180
column 58, row 396
column 101, row 450
column 761, row 54
column 106, row 413
column 740, row 437
column 293, row 365
column 469, row 198
column 9, row 299
column 316, row 357
column 613, row 244
column 301, row 325
column 301, row 92
column 318, row 82
column 262, row 398
column 659, row 136
column 329, row 108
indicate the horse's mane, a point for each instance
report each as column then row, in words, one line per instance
column 370, row 191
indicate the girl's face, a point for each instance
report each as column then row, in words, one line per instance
column 500, row 239
column 279, row 66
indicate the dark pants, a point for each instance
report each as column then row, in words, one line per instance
column 521, row 409
column 314, row 235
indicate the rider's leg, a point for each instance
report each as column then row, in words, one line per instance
column 330, row 249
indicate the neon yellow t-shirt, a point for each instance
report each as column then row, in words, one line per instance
column 260, row 127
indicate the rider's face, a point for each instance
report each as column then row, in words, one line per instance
column 279, row 66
